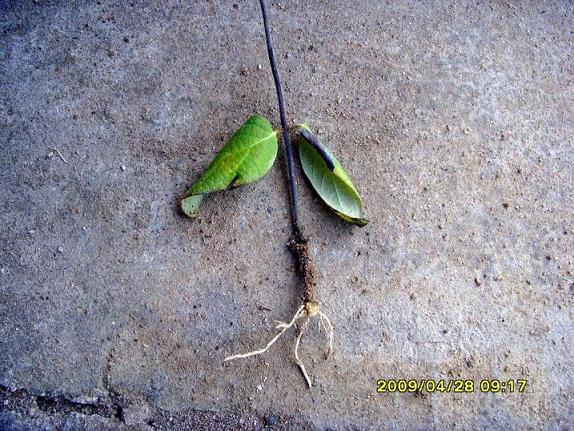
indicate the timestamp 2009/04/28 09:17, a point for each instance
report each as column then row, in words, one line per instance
column 462, row 386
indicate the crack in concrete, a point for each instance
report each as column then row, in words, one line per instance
column 59, row 409
column 60, row 404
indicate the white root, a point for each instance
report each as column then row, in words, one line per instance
column 331, row 333
column 302, row 311
column 282, row 326
column 60, row 155
column 297, row 360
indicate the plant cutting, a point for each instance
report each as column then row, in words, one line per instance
column 247, row 157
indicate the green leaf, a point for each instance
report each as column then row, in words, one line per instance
column 246, row 158
column 328, row 178
column 190, row 205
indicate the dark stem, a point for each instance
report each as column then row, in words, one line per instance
column 298, row 244
column 314, row 142
column 297, row 231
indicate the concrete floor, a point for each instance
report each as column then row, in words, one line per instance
column 456, row 123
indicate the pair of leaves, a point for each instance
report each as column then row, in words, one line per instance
column 249, row 155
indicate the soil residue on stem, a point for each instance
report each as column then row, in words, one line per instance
column 306, row 269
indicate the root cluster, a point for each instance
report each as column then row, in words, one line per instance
column 305, row 312
column 308, row 310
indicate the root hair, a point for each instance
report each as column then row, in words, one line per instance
column 304, row 311
column 282, row 326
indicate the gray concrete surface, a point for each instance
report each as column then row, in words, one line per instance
column 454, row 120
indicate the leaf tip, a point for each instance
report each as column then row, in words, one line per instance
column 359, row 221
column 190, row 205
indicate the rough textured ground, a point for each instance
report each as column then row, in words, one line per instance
column 456, row 122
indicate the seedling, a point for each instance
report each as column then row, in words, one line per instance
column 247, row 157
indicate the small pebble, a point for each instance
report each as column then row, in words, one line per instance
column 270, row 420
column 259, row 67
column 60, row 249
column 123, row 167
